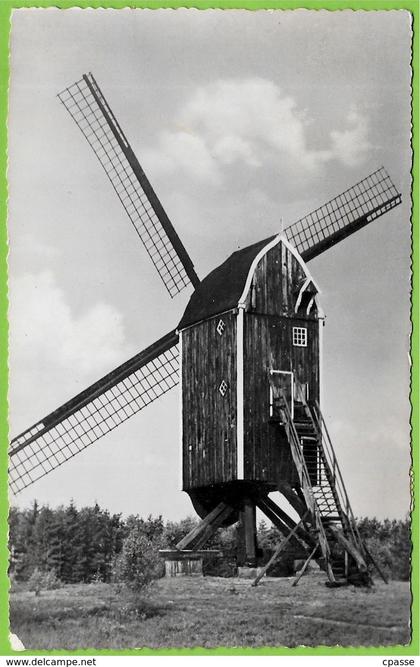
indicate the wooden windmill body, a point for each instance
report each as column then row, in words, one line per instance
column 250, row 331
column 246, row 354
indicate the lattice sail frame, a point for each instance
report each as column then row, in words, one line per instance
column 353, row 209
column 90, row 111
column 94, row 413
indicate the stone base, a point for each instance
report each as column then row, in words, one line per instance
column 185, row 563
column 248, row 572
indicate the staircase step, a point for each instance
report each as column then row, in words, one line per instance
column 339, row 574
column 338, row 568
column 305, row 426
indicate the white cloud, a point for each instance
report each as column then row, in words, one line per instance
column 351, row 145
column 53, row 353
column 256, row 113
column 230, row 148
column 250, row 121
column 182, row 151
column 42, row 323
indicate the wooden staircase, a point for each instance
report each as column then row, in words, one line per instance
column 344, row 554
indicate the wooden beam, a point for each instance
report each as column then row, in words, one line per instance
column 210, row 521
column 305, row 565
column 279, row 524
column 275, row 555
column 211, row 528
column 302, row 532
column 142, row 179
column 375, row 564
column 97, row 389
column 248, row 521
column 291, row 496
column 348, row 546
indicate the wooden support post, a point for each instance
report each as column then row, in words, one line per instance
column 249, row 532
column 284, row 528
column 375, row 564
column 275, row 555
column 209, row 524
column 305, row 565
column 291, row 496
column 210, row 529
column 266, row 504
column 348, row 546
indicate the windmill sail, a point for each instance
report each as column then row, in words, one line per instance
column 94, row 412
column 86, row 104
column 343, row 215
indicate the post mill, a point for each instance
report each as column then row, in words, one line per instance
column 246, row 354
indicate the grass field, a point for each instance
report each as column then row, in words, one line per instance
column 211, row 612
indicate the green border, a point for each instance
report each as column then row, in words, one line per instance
column 413, row 6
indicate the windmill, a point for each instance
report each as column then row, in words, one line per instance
column 246, row 353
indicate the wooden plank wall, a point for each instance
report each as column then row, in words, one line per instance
column 209, row 419
column 268, row 345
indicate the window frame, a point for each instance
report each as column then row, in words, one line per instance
column 300, row 336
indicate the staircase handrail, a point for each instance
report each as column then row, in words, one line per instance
column 330, row 460
column 338, row 477
column 306, row 485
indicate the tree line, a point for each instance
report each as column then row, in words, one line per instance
column 91, row 544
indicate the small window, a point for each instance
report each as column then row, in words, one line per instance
column 300, row 336
column 223, row 388
column 221, row 326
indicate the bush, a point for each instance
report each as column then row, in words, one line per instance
column 177, row 530
column 40, row 580
column 389, row 542
column 139, row 562
column 220, row 566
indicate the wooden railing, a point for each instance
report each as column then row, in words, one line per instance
column 337, row 478
column 306, row 486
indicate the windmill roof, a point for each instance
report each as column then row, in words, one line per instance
column 222, row 288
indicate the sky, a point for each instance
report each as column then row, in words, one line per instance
column 243, row 121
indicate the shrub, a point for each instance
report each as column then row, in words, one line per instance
column 139, row 562
column 43, row 580
column 390, row 545
column 220, row 566
column 177, row 530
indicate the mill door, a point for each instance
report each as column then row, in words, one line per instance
column 301, row 391
column 281, row 392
